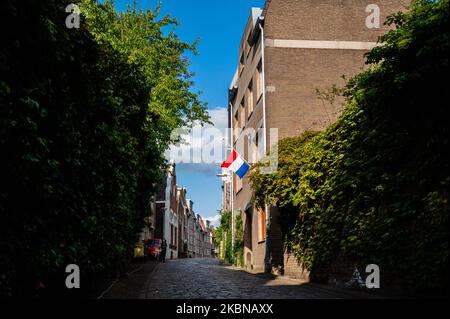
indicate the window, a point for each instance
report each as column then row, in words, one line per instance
column 173, row 235
column 241, row 63
column 176, row 237
column 259, row 82
column 255, row 148
column 249, row 98
column 260, row 143
column 236, row 124
column 247, row 45
column 256, row 46
column 242, row 115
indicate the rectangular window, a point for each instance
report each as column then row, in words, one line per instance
column 247, row 45
column 242, row 115
column 241, row 63
column 249, row 98
column 261, row 152
column 258, row 82
column 236, row 122
column 255, row 148
column 176, row 237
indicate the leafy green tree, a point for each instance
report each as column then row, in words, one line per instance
column 139, row 35
column 84, row 123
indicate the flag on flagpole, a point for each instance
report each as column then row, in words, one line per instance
column 237, row 164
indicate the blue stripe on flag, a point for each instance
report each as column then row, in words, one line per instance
column 242, row 170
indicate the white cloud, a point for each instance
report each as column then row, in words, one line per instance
column 219, row 117
column 215, row 220
column 208, row 169
column 204, row 148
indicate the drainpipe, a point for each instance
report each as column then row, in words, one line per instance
column 267, row 261
column 232, row 180
column 263, row 71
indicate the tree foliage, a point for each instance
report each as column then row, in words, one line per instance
column 373, row 188
column 85, row 117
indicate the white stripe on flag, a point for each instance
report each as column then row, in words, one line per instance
column 236, row 164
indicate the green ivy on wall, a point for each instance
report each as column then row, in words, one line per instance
column 223, row 233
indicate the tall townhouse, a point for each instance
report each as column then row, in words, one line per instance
column 191, row 229
column 186, row 232
column 149, row 229
column 212, row 242
column 197, row 237
column 291, row 50
column 166, row 212
column 182, row 212
column 205, row 247
column 208, row 237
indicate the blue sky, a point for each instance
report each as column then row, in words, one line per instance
column 219, row 25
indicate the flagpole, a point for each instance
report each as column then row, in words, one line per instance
column 232, row 179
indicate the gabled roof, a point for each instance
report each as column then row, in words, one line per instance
column 202, row 224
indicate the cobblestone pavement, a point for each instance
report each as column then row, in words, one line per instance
column 209, row 279
column 130, row 286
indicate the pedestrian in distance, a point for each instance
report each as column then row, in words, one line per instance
column 163, row 250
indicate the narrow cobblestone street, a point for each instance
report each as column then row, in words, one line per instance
column 210, row 279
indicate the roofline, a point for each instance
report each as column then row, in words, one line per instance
column 235, row 79
column 266, row 7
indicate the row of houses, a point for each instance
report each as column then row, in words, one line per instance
column 290, row 51
column 172, row 217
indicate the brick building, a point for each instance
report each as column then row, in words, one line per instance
column 167, row 211
column 182, row 212
column 187, row 233
column 191, row 220
column 291, row 50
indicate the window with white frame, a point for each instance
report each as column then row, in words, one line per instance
column 242, row 115
column 259, row 82
column 255, row 148
column 260, row 143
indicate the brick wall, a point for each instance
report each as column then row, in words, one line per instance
column 293, row 268
column 326, row 19
column 294, row 75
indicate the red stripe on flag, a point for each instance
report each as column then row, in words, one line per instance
column 229, row 160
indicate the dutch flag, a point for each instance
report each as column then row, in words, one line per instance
column 237, row 164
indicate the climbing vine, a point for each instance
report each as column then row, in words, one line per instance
column 223, row 234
